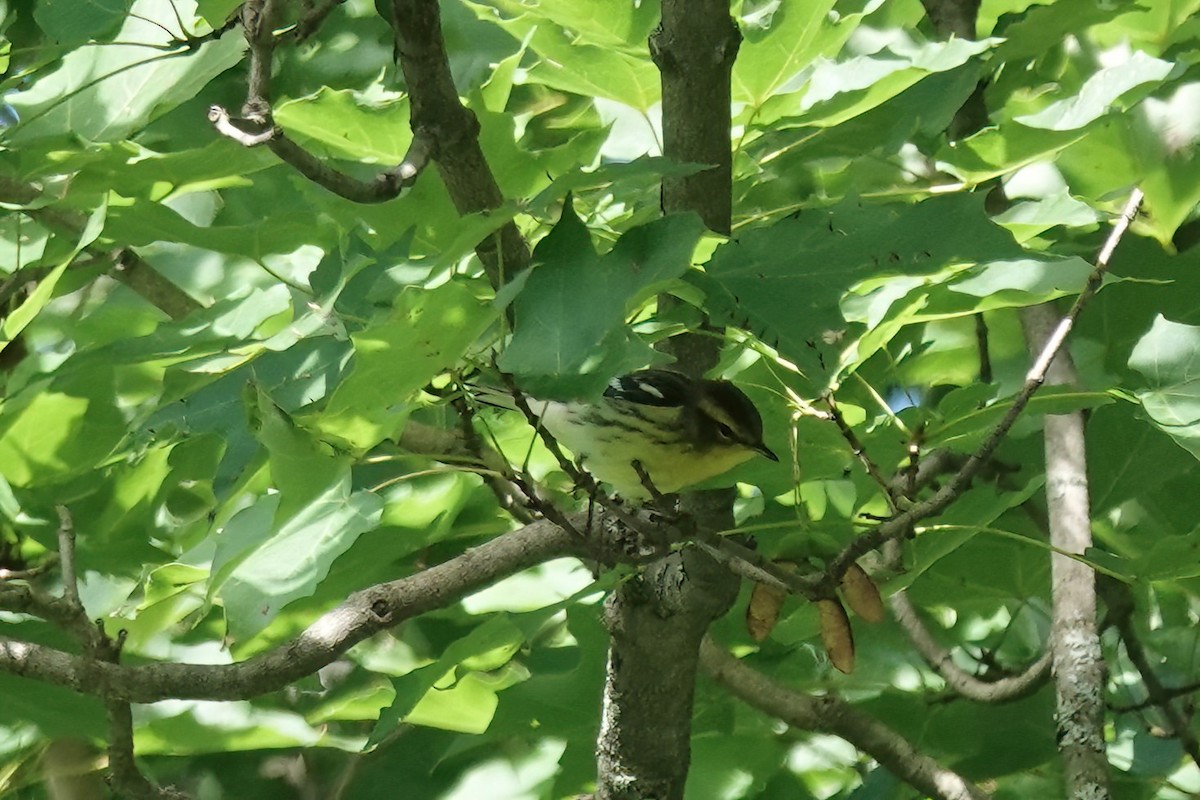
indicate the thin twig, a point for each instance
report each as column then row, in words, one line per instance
column 1006, row 689
column 226, row 126
column 741, row 560
column 258, row 23
column 312, row 19
column 1168, row 692
column 257, row 126
column 981, row 343
column 32, row 572
column 66, row 556
column 1120, row 603
column 502, row 486
column 860, row 452
column 69, row 612
column 658, row 498
column 901, row 523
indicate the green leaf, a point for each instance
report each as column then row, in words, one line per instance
column 782, row 43
column 965, row 431
column 787, row 280
column 603, row 22
column 1169, row 358
column 570, row 315
column 839, row 91
column 106, row 93
column 1042, row 28
column 133, row 170
column 425, row 334
column 1099, row 93
column 56, row 712
column 296, row 558
column 215, row 12
column 301, row 468
column 347, row 124
column 1028, row 219
column 1002, row 149
column 602, row 67
column 142, row 223
column 1163, row 143
column 1170, row 558
column 50, row 436
column 497, row 640
column 73, row 22
column 16, row 320
column 184, row 728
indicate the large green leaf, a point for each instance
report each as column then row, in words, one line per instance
column 185, row 728
column 425, row 334
column 837, row 91
column 787, row 280
column 142, row 222
column 16, row 319
column 1168, row 356
column 296, row 557
column 49, row 435
column 68, row 22
column 604, row 22
column 780, row 40
column 1043, row 27
column 487, row 646
column 592, row 66
column 570, row 314
column 346, row 124
column 106, row 93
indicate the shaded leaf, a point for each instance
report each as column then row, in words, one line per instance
column 107, row 93
column 570, row 314
column 425, row 334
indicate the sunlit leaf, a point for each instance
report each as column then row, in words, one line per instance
column 1168, row 356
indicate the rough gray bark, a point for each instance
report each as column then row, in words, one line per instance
column 1078, row 662
column 658, row 620
column 453, row 131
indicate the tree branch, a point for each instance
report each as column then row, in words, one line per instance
column 365, row 613
column 98, row 648
column 128, row 267
column 257, row 127
column 1075, row 643
column 1005, row 690
column 1079, row 674
column 898, row 525
column 1119, row 601
column 830, row 715
column 452, row 132
column 657, row 621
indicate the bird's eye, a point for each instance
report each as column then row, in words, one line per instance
column 725, row 432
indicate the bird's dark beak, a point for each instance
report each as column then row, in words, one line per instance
column 763, row 450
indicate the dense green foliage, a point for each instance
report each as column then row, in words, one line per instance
column 233, row 472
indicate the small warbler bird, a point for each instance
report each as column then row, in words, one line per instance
column 681, row 430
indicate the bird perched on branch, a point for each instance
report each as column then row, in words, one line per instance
column 680, row 430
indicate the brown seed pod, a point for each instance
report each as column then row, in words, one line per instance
column 862, row 594
column 763, row 611
column 836, row 635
